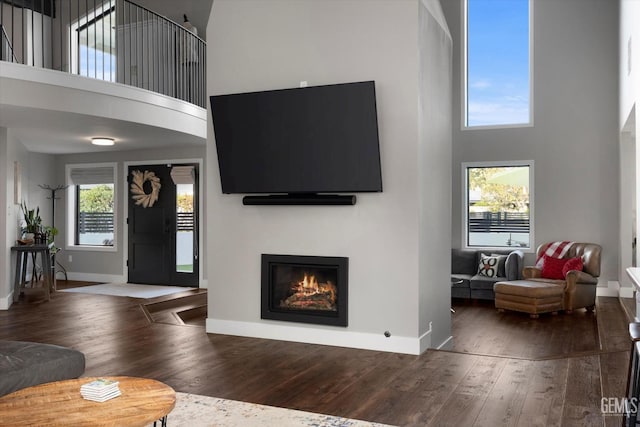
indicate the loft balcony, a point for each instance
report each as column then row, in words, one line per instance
column 143, row 73
column 112, row 40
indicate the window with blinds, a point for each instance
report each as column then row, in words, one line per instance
column 91, row 206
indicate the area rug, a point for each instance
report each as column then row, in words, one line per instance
column 193, row 410
column 127, row 290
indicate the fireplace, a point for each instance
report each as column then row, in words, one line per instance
column 307, row 289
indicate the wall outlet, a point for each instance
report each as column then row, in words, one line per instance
column 303, row 83
column 70, row 258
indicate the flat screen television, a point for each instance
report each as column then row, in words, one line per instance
column 320, row 139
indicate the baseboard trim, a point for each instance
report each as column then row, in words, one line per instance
column 6, row 302
column 614, row 289
column 94, row 277
column 309, row 335
column 626, row 292
column 611, row 290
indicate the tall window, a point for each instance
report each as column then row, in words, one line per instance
column 91, row 205
column 499, row 204
column 497, row 63
column 94, row 48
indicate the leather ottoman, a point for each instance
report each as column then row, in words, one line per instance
column 528, row 296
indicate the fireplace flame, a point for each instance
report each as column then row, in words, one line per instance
column 309, row 285
column 309, row 294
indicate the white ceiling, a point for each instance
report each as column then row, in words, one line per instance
column 55, row 132
column 196, row 10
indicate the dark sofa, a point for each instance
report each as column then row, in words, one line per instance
column 24, row 364
column 467, row 283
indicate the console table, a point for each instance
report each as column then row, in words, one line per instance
column 22, row 256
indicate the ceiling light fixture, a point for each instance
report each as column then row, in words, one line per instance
column 103, row 141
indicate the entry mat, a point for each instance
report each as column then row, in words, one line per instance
column 128, row 290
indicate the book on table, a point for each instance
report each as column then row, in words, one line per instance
column 100, row 390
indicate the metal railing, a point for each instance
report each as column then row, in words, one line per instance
column 113, row 40
column 6, row 50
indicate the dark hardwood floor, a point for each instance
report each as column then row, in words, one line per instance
column 507, row 369
column 480, row 329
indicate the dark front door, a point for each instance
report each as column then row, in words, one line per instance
column 162, row 225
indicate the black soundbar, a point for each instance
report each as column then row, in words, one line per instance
column 300, row 199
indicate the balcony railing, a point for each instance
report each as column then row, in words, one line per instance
column 113, row 40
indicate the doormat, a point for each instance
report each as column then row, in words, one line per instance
column 193, row 410
column 128, row 290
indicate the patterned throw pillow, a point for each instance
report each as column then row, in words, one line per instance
column 488, row 266
column 502, row 260
column 572, row 264
column 552, row 267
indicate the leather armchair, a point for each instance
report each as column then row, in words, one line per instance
column 579, row 286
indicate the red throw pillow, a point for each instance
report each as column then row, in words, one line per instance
column 572, row 264
column 552, row 267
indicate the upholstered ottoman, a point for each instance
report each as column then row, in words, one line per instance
column 528, row 296
column 23, row 364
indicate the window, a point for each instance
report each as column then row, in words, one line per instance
column 94, row 47
column 185, row 233
column 498, row 204
column 91, row 206
column 497, row 61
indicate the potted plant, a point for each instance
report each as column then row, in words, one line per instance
column 32, row 220
column 50, row 234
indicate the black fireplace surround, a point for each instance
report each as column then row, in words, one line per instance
column 306, row 289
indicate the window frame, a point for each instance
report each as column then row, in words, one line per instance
column 465, row 202
column 465, row 76
column 71, row 214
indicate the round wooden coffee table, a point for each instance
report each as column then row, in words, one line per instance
column 59, row 403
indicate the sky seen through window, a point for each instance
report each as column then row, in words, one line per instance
column 498, row 72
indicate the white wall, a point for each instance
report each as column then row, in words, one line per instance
column 40, row 170
column 574, row 140
column 12, row 150
column 434, row 171
column 261, row 45
column 7, row 211
column 629, row 48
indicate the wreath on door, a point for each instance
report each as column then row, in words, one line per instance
column 138, row 193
